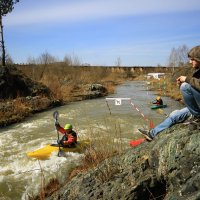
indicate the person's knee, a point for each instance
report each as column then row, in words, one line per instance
column 185, row 87
column 173, row 113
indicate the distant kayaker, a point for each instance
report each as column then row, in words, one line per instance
column 70, row 137
column 158, row 101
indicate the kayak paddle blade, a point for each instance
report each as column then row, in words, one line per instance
column 61, row 153
column 56, row 115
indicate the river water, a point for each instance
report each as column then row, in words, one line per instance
column 20, row 175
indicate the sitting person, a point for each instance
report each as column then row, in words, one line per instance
column 190, row 88
column 158, row 101
column 70, row 137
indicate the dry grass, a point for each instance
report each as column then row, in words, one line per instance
column 47, row 191
column 65, row 80
column 13, row 108
column 103, row 146
column 92, row 157
column 166, row 87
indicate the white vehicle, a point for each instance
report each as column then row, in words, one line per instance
column 155, row 75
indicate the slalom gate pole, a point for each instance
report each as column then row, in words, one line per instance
column 118, row 101
column 108, row 107
column 151, row 125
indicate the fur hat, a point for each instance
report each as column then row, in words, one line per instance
column 195, row 53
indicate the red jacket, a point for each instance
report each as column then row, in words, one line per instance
column 69, row 137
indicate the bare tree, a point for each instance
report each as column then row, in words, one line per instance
column 67, row 60
column 76, row 60
column 182, row 53
column 8, row 59
column 6, row 6
column 46, row 58
column 73, row 60
column 31, row 60
column 118, row 62
column 178, row 57
column 173, row 58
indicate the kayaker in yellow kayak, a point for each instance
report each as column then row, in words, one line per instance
column 158, row 101
column 70, row 137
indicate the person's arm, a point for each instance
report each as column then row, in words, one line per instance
column 59, row 128
column 181, row 79
column 154, row 102
column 194, row 82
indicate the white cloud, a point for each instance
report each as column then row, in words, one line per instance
column 64, row 11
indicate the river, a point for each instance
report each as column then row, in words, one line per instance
column 20, row 175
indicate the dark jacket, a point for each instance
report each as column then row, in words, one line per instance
column 69, row 139
column 194, row 80
column 158, row 102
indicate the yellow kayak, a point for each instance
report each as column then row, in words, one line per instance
column 46, row 151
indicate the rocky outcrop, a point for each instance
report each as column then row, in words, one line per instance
column 20, row 96
column 13, row 84
column 167, row 168
column 95, row 90
column 88, row 91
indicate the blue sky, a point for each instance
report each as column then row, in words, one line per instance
column 98, row 32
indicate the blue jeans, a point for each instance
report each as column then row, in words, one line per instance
column 175, row 117
column 191, row 98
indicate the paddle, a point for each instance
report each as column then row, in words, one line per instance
column 161, row 111
column 55, row 116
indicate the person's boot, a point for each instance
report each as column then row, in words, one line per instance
column 146, row 134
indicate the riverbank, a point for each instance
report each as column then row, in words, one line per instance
column 21, row 97
column 16, row 110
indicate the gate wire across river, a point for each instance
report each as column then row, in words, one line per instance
column 118, row 101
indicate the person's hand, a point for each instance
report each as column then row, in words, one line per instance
column 65, row 142
column 57, row 124
column 58, row 141
column 180, row 80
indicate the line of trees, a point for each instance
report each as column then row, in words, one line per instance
column 178, row 56
column 46, row 58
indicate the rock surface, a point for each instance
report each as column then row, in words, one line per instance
column 167, row 168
